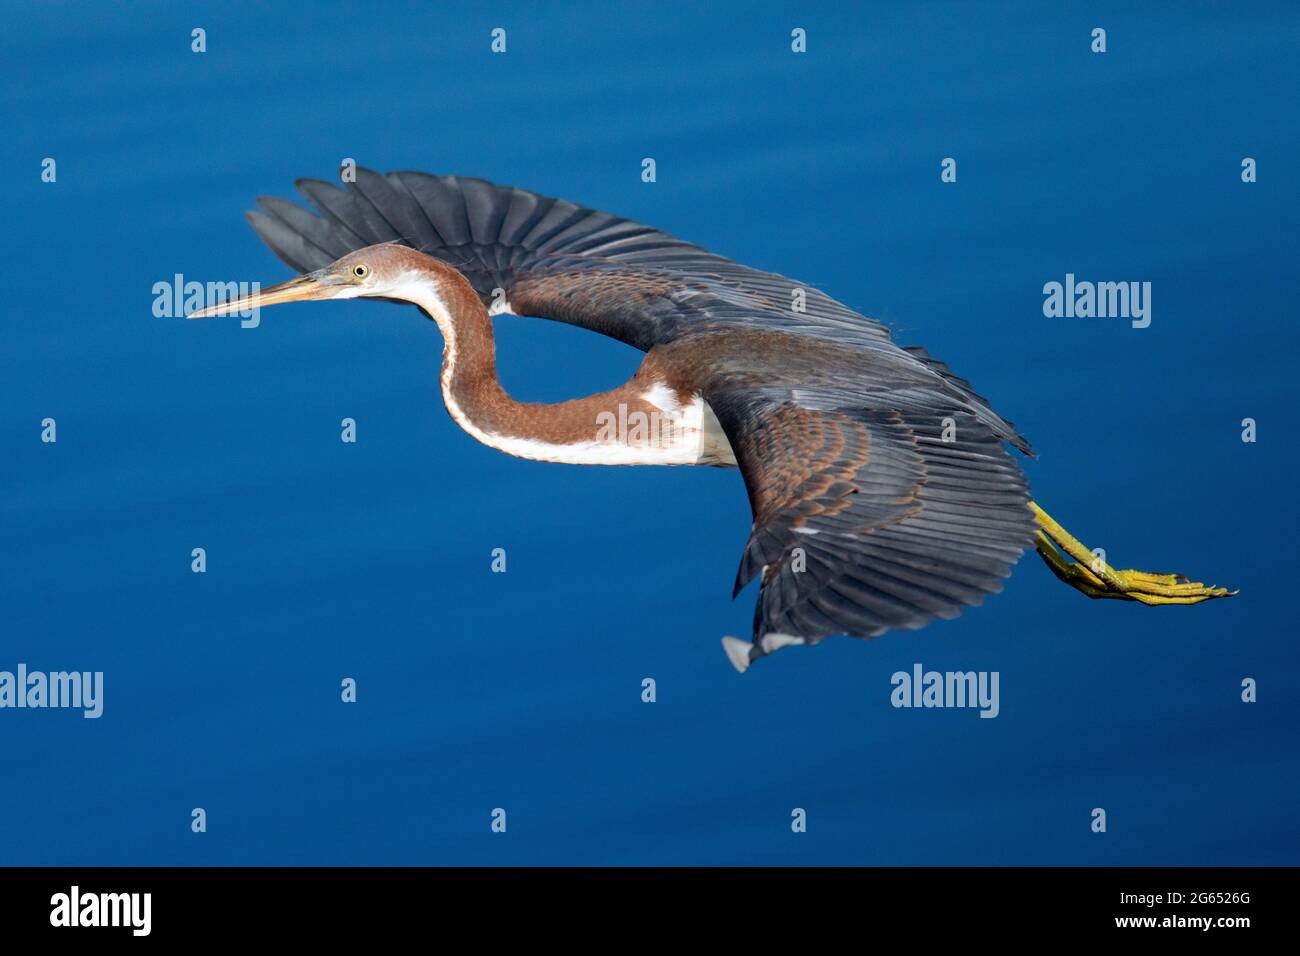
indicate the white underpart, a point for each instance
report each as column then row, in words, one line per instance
column 676, row 435
column 743, row 653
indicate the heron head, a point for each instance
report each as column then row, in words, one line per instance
column 377, row 271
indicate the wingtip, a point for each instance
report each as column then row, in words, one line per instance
column 745, row 572
column 306, row 184
column 738, row 652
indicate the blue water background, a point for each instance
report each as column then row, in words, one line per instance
column 523, row 690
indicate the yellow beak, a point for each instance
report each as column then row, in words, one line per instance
column 314, row 285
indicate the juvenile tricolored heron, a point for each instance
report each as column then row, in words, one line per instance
column 882, row 492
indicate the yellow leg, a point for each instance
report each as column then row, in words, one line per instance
column 1097, row 579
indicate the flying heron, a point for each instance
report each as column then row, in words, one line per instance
column 882, row 490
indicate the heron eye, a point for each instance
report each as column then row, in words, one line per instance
column 361, row 271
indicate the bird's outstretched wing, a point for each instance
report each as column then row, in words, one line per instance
column 546, row 255
column 868, row 518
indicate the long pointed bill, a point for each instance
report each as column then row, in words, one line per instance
column 313, row 285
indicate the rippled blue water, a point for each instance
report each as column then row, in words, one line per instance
column 522, row 690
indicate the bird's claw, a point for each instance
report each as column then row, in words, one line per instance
column 1130, row 585
column 1094, row 577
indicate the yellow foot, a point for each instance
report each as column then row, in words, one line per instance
column 1097, row 579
